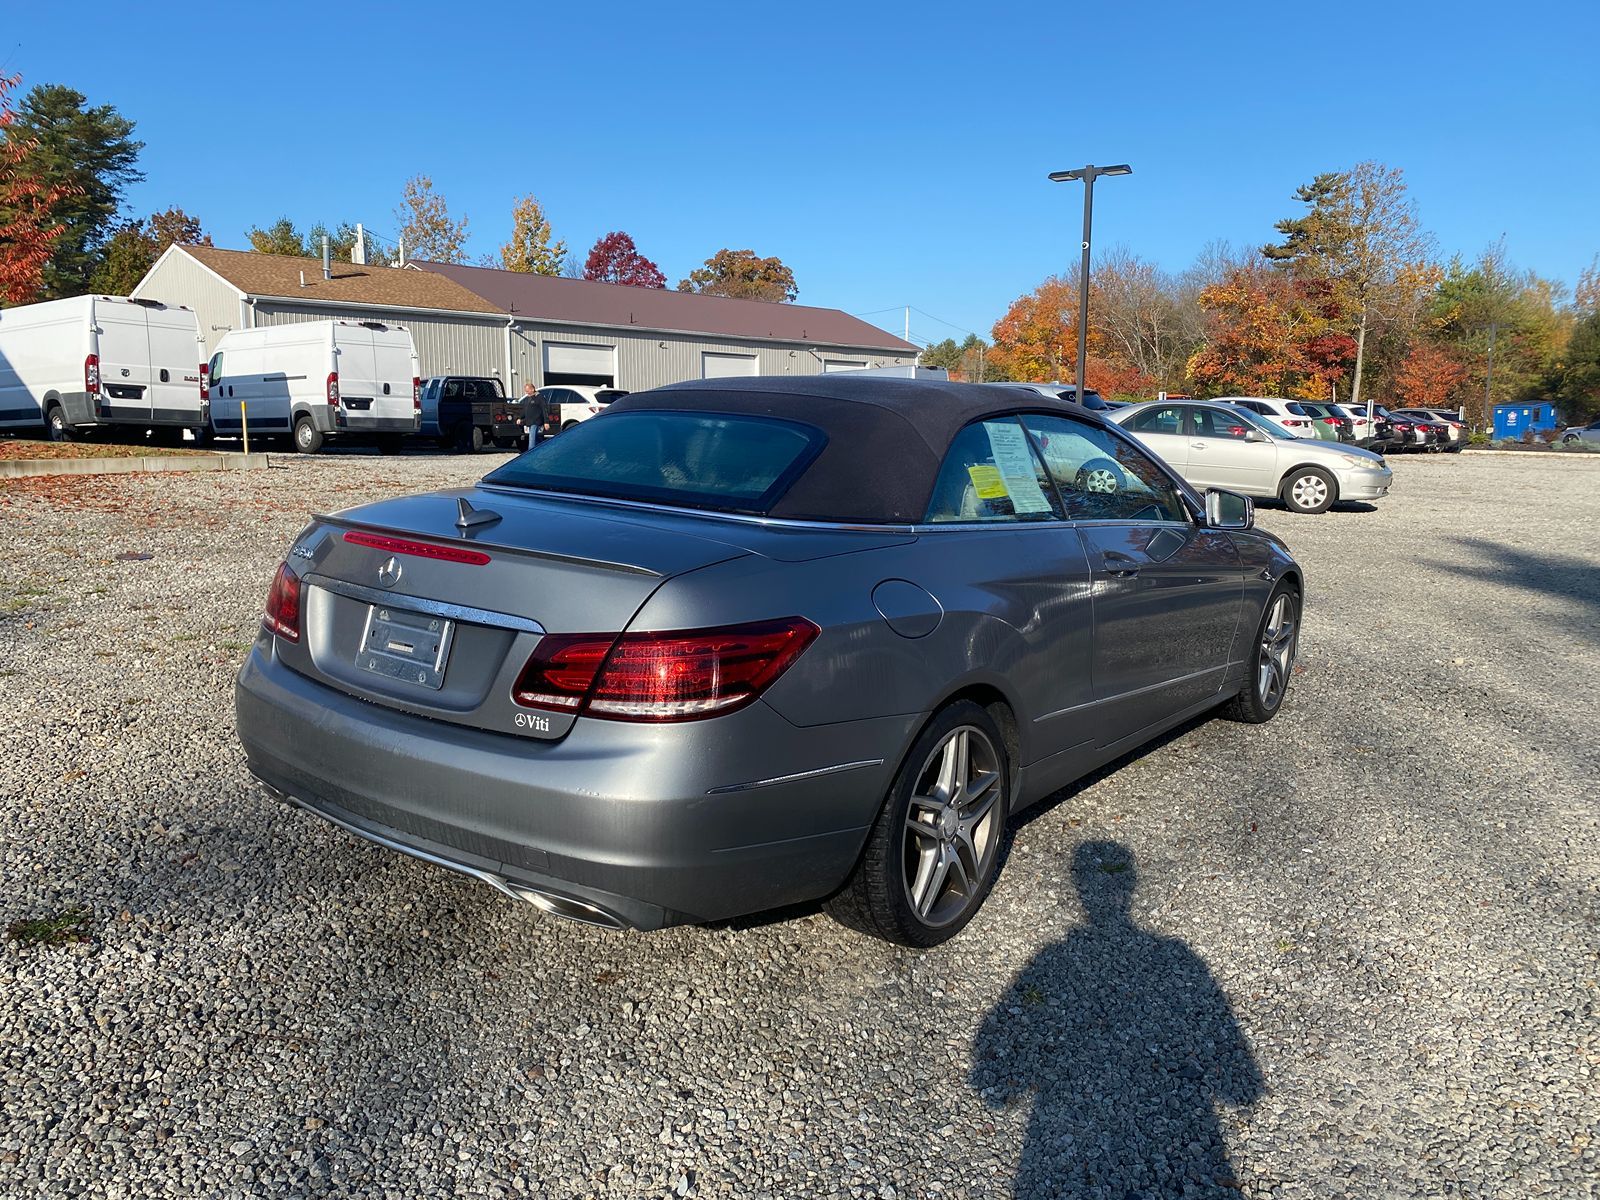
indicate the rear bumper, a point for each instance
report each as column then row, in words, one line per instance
column 630, row 820
column 359, row 422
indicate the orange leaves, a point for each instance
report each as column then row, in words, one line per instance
column 28, row 230
column 1428, row 377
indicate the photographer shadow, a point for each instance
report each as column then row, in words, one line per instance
column 1125, row 1046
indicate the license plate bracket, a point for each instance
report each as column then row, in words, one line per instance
column 408, row 646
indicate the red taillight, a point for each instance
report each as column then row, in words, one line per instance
column 394, row 545
column 283, row 605
column 1236, row 431
column 673, row 676
column 416, row 394
column 205, row 381
column 333, row 387
column 91, row 374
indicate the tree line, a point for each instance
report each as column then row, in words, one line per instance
column 1350, row 302
column 66, row 166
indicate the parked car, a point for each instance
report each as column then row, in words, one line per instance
column 1215, row 445
column 316, row 380
column 1449, row 432
column 1404, row 432
column 1092, row 399
column 1437, row 432
column 1286, row 413
column 1364, row 431
column 568, row 404
column 88, row 361
column 468, row 412
column 1333, row 424
column 707, row 656
column 1581, row 433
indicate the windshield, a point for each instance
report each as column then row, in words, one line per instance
column 691, row 459
column 1266, row 424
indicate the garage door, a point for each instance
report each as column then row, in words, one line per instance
column 843, row 364
column 724, row 366
column 566, row 362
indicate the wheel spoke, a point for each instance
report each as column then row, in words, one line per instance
column 929, row 858
column 980, row 807
column 977, row 787
column 934, row 884
column 922, row 829
column 962, row 878
column 952, row 768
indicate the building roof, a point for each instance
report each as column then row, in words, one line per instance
column 549, row 297
column 868, row 421
column 279, row 275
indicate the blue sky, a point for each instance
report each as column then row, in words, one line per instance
column 891, row 154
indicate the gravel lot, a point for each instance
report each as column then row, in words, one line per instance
column 1353, row 952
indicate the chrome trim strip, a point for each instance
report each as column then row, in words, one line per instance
column 434, row 608
column 759, row 783
column 1151, row 687
column 388, row 843
column 708, row 513
column 549, row 903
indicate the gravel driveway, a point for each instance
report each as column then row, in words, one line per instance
column 1353, row 952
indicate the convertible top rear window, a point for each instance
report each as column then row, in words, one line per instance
column 718, row 461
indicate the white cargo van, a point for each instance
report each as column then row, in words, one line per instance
column 85, row 361
column 317, row 379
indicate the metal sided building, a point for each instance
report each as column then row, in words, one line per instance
column 524, row 328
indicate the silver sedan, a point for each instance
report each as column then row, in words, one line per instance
column 1225, row 446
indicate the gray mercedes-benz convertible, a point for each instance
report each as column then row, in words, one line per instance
column 739, row 644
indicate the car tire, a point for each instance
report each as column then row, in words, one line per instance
column 1308, row 490
column 57, row 427
column 919, row 888
column 569, row 425
column 1277, row 645
column 1571, row 439
column 307, row 438
column 1100, row 476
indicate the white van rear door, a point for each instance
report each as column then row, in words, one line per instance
column 175, row 366
column 124, row 349
column 392, row 371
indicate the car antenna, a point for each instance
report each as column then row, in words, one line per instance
column 468, row 517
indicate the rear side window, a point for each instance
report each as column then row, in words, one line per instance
column 716, row 461
column 992, row 474
column 1158, row 420
column 1209, row 423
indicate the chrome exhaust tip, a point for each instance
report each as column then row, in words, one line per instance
column 566, row 908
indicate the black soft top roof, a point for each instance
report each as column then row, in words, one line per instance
column 886, row 437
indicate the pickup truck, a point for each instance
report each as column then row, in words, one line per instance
column 468, row 412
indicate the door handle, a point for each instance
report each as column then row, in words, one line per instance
column 1119, row 565
column 1197, row 445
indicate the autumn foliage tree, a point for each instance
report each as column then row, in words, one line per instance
column 1429, row 377
column 744, row 275
column 135, row 246
column 533, row 249
column 29, row 226
column 615, row 259
column 1268, row 334
column 427, row 229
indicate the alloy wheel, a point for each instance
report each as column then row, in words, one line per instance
column 1100, row 481
column 1278, row 642
column 952, row 826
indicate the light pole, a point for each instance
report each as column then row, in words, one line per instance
column 1088, row 174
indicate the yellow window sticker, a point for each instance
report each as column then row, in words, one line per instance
column 987, row 481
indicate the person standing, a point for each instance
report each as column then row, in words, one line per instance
column 532, row 415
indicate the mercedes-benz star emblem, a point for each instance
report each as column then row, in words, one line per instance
column 389, row 573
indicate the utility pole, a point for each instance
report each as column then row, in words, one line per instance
column 1488, row 379
column 1087, row 175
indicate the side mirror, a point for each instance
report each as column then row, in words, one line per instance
column 1255, row 435
column 1229, row 510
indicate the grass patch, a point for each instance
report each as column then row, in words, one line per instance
column 1032, row 996
column 65, row 928
column 1114, row 868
